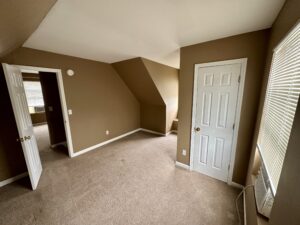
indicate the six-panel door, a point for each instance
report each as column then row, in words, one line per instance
column 216, row 100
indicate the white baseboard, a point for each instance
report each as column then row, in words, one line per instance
column 115, row 139
column 233, row 184
column 184, row 166
column 57, row 144
column 103, row 143
column 153, row 132
column 12, row 179
column 39, row 124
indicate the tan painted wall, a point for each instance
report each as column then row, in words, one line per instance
column 152, row 106
column 18, row 20
column 156, row 87
column 252, row 46
column 137, row 78
column 12, row 160
column 99, row 98
column 153, row 117
column 166, row 81
column 286, row 206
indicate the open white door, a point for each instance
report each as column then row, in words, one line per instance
column 17, row 95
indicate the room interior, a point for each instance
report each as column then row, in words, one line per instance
column 128, row 99
column 44, row 103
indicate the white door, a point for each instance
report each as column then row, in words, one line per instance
column 216, row 94
column 16, row 90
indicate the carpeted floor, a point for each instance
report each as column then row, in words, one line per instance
column 129, row 182
column 41, row 134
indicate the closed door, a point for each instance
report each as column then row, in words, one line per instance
column 215, row 110
column 17, row 95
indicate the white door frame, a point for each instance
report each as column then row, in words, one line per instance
column 62, row 100
column 243, row 62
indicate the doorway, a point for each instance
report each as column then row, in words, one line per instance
column 218, row 91
column 42, row 94
column 52, row 94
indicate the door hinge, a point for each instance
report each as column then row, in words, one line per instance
column 239, row 80
column 233, row 126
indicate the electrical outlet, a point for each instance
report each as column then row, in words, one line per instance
column 184, row 152
column 70, row 112
column 107, row 132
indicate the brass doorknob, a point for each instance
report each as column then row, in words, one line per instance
column 197, row 129
column 20, row 139
column 27, row 138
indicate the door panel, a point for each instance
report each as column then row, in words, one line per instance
column 203, row 149
column 16, row 90
column 216, row 101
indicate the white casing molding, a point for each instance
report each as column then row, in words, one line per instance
column 63, row 101
column 243, row 62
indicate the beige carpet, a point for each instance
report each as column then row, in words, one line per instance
column 47, row 154
column 131, row 181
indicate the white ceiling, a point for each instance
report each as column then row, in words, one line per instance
column 115, row 30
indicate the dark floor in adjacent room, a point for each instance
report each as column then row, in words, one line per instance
column 131, row 181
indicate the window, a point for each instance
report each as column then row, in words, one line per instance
column 34, row 96
column 280, row 105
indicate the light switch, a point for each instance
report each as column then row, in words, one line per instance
column 50, row 108
column 184, row 152
column 70, row 112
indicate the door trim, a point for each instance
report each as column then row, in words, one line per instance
column 243, row 62
column 62, row 100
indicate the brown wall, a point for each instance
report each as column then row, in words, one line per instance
column 136, row 76
column 38, row 118
column 153, row 117
column 166, row 81
column 252, row 46
column 18, row 20
column 286, row 206
column 156, row 87
column 12, row 160
column 152, row 106
column 99, row 98
column 53, row 108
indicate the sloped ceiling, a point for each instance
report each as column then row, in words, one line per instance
column 18, row 20
column 114, row 30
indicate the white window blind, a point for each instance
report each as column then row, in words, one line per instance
column 280, row 105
